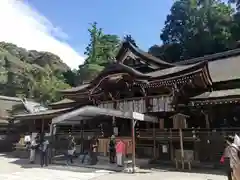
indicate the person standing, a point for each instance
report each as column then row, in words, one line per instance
column 27, row 140
column 86, row 149
column 44, row 151
column 232, row 161
column 33, row 148
column 120, row 150
column 94, row 150
column 71, row 150
column 112, row 149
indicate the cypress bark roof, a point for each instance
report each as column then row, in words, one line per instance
column 228, row 93
column 224, row 66
column 142, row 54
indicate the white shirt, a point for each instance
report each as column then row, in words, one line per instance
column 27, row 138
column 33, row 143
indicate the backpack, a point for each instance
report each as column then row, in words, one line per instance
column 112, row 145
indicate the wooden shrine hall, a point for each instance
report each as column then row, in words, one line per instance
column 196, row 103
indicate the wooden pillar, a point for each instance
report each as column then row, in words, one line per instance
column 161, row 123
column 207, row 120
column 81, row 136
column 42, row 126
column 181, row 145
column 154, row 141
column 51, row 144
column 180, row 123
column 133, row 146
column 171, row 146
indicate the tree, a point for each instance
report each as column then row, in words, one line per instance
column 167, row 52
column 71, row 77
column 100, row 51
column 10, row 88
column 199, row 27
column 46, row 86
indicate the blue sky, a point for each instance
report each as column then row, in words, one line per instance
column 61, row 26
column 140, row 18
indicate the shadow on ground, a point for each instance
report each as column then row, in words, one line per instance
column 197, row 170
column 24, row 163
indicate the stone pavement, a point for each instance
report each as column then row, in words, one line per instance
column 10, row 170
column 162, row 176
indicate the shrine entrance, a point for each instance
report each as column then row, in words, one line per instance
column 90, row 112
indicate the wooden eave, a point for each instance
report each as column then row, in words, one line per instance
column 212, row 102
column 65, row 103
column 41, row 115
column 109, row 72
column 183, row 77
column 176, row 71
column 114, row 69
column 223, row 67
column 127, row 46
column 230, row 96
column 211, row 57
column 166, row 77
column 80, row 89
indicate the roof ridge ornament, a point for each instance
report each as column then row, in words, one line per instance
column 128, row 39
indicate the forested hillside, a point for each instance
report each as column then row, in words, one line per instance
column 30, row 74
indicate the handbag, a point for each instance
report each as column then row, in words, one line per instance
column 222, row 159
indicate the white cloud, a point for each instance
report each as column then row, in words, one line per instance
column 25, row 27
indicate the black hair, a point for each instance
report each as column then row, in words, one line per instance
column 229, row 139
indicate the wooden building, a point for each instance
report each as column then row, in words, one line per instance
column 196, row 102
column 8, row 132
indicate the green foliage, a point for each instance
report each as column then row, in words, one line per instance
column 46, row 86
column 31, row 74
column 197, row 27
column 101, row 50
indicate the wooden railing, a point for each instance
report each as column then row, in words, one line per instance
column 186, row 133
column 77, row 134
column 156, row 104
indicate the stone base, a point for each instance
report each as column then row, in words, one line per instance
column 130, row 169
